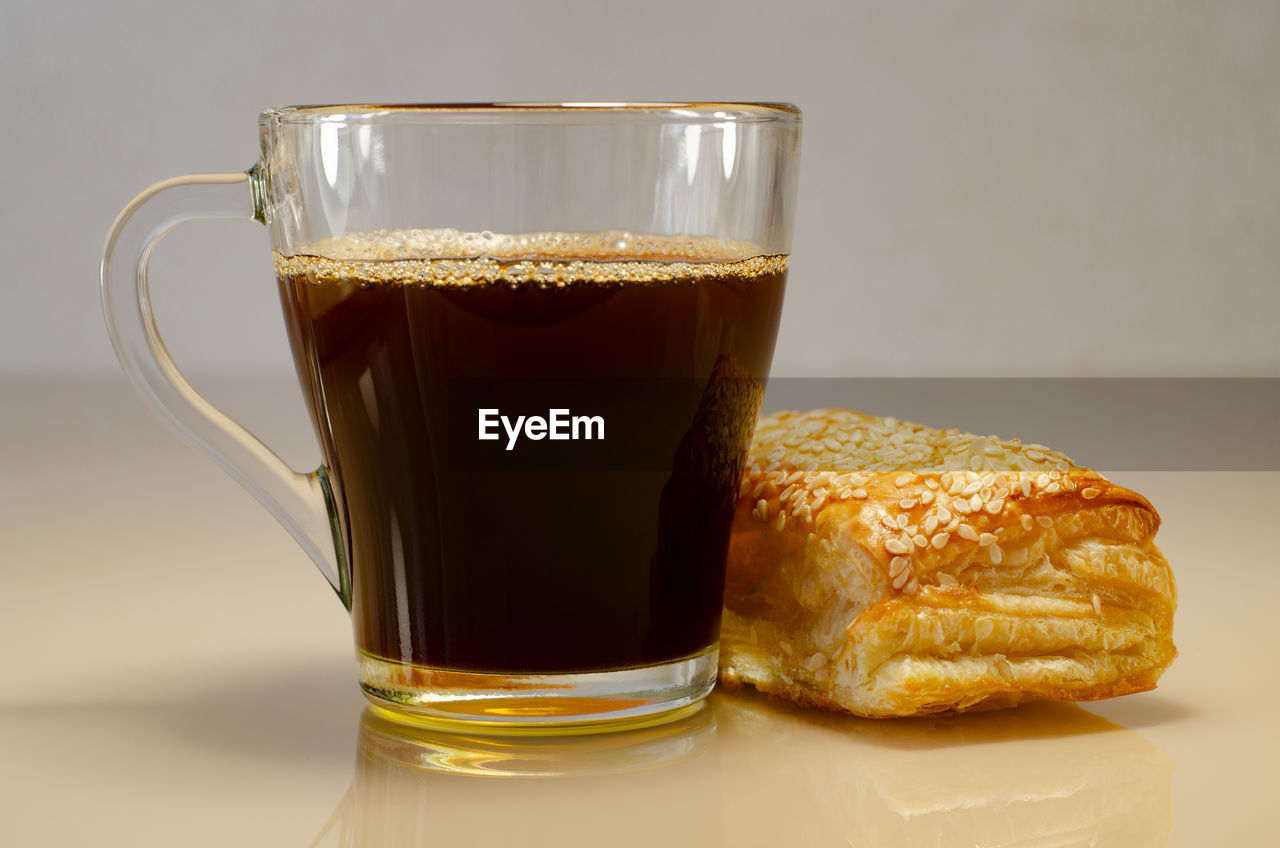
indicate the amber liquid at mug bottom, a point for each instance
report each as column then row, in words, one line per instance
column 552, row 556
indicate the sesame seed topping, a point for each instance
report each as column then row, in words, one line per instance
column 931, row 484
column 967, row 532
column 919, row 540
column 780, row 523
column 897, row 565
column 902, row 480
column 1090, row 493
column 996, row 554
column 986, row 539
column 1097, row 604
column 1044, row 521
column 994, row 507
column 1053, row 488
column 1027, row 522
column 944, row 514
column 903, row 521
column 1042, row 481
column 859, row 494
column 940, row 541
column 975, row 503
column 901, row 579
column 926, row 497
column 1024, row 486
column 896, row 546
column 931, row 524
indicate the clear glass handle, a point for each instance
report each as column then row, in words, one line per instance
column 302, row 503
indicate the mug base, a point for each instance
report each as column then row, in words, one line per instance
column 578, row 702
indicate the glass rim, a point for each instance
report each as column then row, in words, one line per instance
column 537, row 112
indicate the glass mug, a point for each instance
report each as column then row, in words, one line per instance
column 533, row 340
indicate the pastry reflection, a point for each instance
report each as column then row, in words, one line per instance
column 1041, row 774
column 747, row 770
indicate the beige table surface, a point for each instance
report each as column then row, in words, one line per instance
column 176, row 673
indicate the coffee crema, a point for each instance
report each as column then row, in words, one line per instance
column 401, row 337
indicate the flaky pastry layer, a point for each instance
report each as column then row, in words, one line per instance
column 887, row 568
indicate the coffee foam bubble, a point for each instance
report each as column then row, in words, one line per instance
column 451, row 257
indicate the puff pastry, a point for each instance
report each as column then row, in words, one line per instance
column 889, row 569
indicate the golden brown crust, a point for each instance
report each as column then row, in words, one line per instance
column 888, row 568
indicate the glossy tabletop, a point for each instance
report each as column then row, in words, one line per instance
column 176, row 673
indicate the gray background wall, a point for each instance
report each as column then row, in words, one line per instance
column 988, row 188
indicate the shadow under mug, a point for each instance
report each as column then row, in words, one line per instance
column 533, row 340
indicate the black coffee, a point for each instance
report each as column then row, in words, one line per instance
column 615, row 380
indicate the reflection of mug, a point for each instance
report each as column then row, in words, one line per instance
column 533, row 340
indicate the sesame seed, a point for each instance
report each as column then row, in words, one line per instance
column 859, row 494
column 896, row 546
column 971, row 488
column 815, row 661
column 1024, row 486
column 908, row 503
column 940, row 541
column 926, row 497
column 986, row 539
column 962, row 507
column 944, row 514
column 1044, row 521
column 996, row 554
column 903, row 521
column 1053, row 488
column 944, row 480
column 931, row 483
column 819, row 501
column 919, row 540
column 989, row 479
column 1090, row 493
column 832, row 444
column 956, row 485
column 967, row 532
column 763, row 507
column 1033, row 455
column 912, row 586
column 1097, row 604
column 975, row 503
column 902, row 480
column 901, row 579
column 931, row 524
column 1027, row 522
column 781, row 522
column 994, row 507
column 945, row 579
column 1042, row 481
